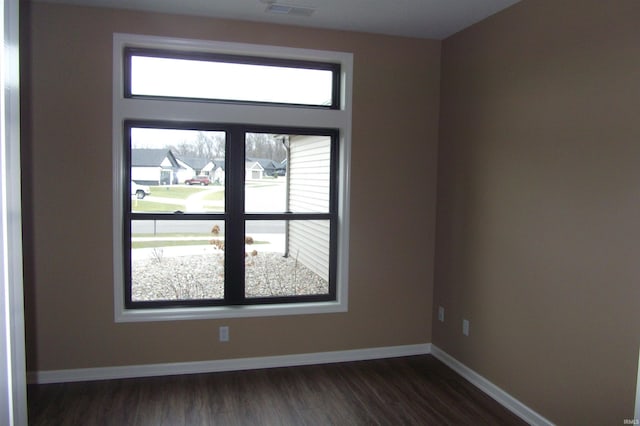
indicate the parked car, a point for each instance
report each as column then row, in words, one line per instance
column 140, row 191
column 198, row 180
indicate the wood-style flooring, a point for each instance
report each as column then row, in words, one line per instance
column 418, row 390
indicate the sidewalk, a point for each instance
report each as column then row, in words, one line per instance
column 275, row 243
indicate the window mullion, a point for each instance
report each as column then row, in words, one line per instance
column 234, row 236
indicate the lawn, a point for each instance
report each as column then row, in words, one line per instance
column 214, row 196
column 180, row 192
column 152, row 206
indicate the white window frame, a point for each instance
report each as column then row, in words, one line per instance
column 190, row 111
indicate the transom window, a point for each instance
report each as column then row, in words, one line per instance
column 236, row 205
column 197, row 75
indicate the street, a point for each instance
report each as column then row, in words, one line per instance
column 158, row 227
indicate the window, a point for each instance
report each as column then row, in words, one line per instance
column 228, row 215
column 196, row 75
column 229, row 202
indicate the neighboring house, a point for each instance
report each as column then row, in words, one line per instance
column 253, row 170
column 154, row 166
column 217, row 176
column 309, row 184
column 194, row 166
column 258, row 168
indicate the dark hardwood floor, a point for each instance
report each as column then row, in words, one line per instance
column 417, row 390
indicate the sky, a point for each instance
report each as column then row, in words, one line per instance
column 195, row 79
column 161, row 138
column 219, row 80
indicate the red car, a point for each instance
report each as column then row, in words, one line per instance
column 198, row 180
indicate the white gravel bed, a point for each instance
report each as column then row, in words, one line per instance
column 202, row 277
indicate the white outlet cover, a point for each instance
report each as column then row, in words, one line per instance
column 440, row 314
column 223, row 332
column 465, row 327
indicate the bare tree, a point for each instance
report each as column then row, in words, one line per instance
column 264, row 145
column 212, row 145
column 206, row 145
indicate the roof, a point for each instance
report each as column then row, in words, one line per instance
column 253, row 165
column 219, row 163
column 195, row 162
column 265, row 163
column 147, row 157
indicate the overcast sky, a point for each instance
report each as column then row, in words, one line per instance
column 218, row 80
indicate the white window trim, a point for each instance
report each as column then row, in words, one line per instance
column 127, row 108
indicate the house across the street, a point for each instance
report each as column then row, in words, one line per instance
column 259, row 168
column 194, row 166
column 155, row 166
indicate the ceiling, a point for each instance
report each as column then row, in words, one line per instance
column 434, row 19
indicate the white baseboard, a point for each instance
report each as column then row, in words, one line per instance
column 637, row 409
column 169, row 369
column 506, row 400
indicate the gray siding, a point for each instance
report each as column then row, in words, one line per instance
column 309, row 184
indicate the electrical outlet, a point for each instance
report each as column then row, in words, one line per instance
column 465, row 327
column 223, row 333
column 440, row 314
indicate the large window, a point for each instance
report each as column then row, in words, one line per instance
column 228, row 215
column 230, row 183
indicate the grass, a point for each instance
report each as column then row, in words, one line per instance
column 179, row 192
column 144, row 206
column 152, row 206
column 214, row 196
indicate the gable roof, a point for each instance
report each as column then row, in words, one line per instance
column 253, row 165
column 147, row 157
column 219, row 163
column 265, row 163
column 194, row 162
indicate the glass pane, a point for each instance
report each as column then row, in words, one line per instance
column 286, row 258
column 199, row 79
column 177, row 260
column 177, row 170
column 299, row 165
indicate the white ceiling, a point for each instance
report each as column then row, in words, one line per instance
column 435, row 19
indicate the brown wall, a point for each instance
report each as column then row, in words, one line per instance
column 538, row 201
column 68, row 209
column 538, row 218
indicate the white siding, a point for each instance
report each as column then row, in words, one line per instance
column 218, row 175
column 206, row 170
column 186, row 172
column 309, row 245
column 309, row 184
column 145, row 175
column 253, row 171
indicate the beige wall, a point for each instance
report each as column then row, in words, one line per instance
column 538, row 223
column 538, row 205
column 67, row 150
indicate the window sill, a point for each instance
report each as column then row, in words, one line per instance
column 174, row 314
